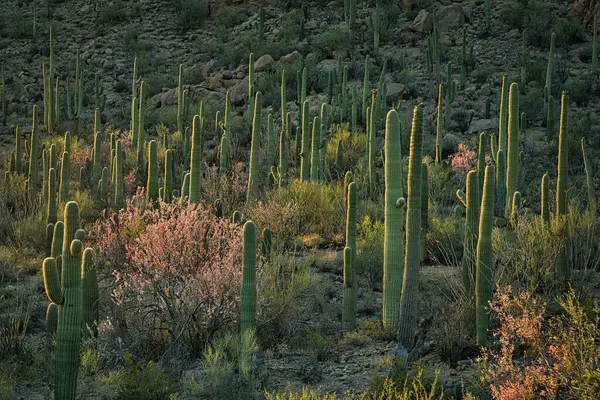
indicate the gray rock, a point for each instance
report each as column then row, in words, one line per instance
column 264, row 63
column 322, row 73
column 484, row 125
column 291, row 58
column 451, row 16
column 239, row 94
column 423, row 22
column 394, row 92
column 195, row 93
column 450, row 144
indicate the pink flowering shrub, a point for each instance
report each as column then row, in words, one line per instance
column 463, row 161
column 543, row 359
column 176, row 272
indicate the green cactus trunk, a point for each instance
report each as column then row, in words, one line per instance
column 152, row 184
column 90, row 312
column 196, row 162
column 371, row 145
column 168, row 182
column 118, row 200
column 283, row 153
column 550, row 68
column 180, row 100
column 503, row 124
column 562, row 183
column 472, row 204
column 49, row 238
column 424, row 207
column 33, row 175
column 366, row 92
column 270, row 142
column 516, row 204
column 65, row 172
column 393, row 248
column 591, row 191
column 412, row 260
column 224, row 155
column 314, row 158
column 52, row 205
column 439, row 126
column 512, row 155
column 483, row 281
column 350, row 287
column 103, row 185
column 500, row 185
column 140, row 134
column 18, row 151
column 185, row 186
column 248, row 293
column 306, row 138
column 254, row 178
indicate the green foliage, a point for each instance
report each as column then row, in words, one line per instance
column 335, row 38
column 353, row 147
column 370, row 257
column 191, row 14
column 143, row 381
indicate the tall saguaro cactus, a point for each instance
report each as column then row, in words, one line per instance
column 152, row 184
column 314, row 155
column 471, row 201
column 349, row 295
column 33, row 175
column 483, row 281
column 500, row 208
column 562, row 183
column 196, row 161
column 512, row 155
column 591, row 191
column 51, row 212
column 119, row 199
column 393, row 247
column 439, row 126
column 305, row 147
column 412, row 258
column 503, row 121
column 254, row 178
column 248, row 295
column 65, row 172
column 545, row 200
column 66, row 292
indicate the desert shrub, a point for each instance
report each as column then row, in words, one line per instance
column 527, row 256
column 336, row 37
column 442, row 191
column 13, row 326
column 231, row 188
column 226, row 370
column 444, row 240
column 191, row 14
column 112, row 13
column 540, row 356
column 451, row 329
column 318, row 345
column 176, row 275
column 146, row 381
column 302, row 208
column 353, row 147
column 463, row 161
column 284, row 284
column 369, row 261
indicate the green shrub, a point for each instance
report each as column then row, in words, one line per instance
column 318, row 345
column 336, row 37
column 444, row 240
column 353, row 147
column 191, row 14
column 143, row 382
column 369, row 262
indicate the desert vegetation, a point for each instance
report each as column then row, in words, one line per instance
column 352, row 199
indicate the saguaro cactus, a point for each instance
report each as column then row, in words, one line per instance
column 152, row 184
column 562, row 182
column 248, row 295
column 51, row 212
column 284, row 152
column 90, row 313
column 66, row 292
column 500, row 184
column 168, row 175
column 65, row 172
column 503, row 121
column 314, row 157
column 270, row 142
column 424, row 207
column 471, row 202
column 33, row 175
column 304, row 157
column 349, row 295
column 254, row 178
column 412, row 259
column 439, row 126
column 589, row 179
column 483, row 281
column 512, row 155
column 196, row 161
column 18, row 150
column 119, row 200
column 393, row 247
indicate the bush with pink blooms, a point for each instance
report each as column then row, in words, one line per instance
column 542, row 357
column 176, row 273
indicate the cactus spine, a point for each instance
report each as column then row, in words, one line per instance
column 589, row 180
column 196, row 161
column 394, row 223
column 512, row 155
column 254, row 175
column 248, row 294
column 152, row 184
column 412, row 260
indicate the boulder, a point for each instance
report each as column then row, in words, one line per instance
column 264, row 63
column 451, row 16
column 239, row 94
column 450, row 144
column 195, row 93
column 423, row 22
column 394, row 92
column 484, row 125
column 291, row 59
column 322, row 72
